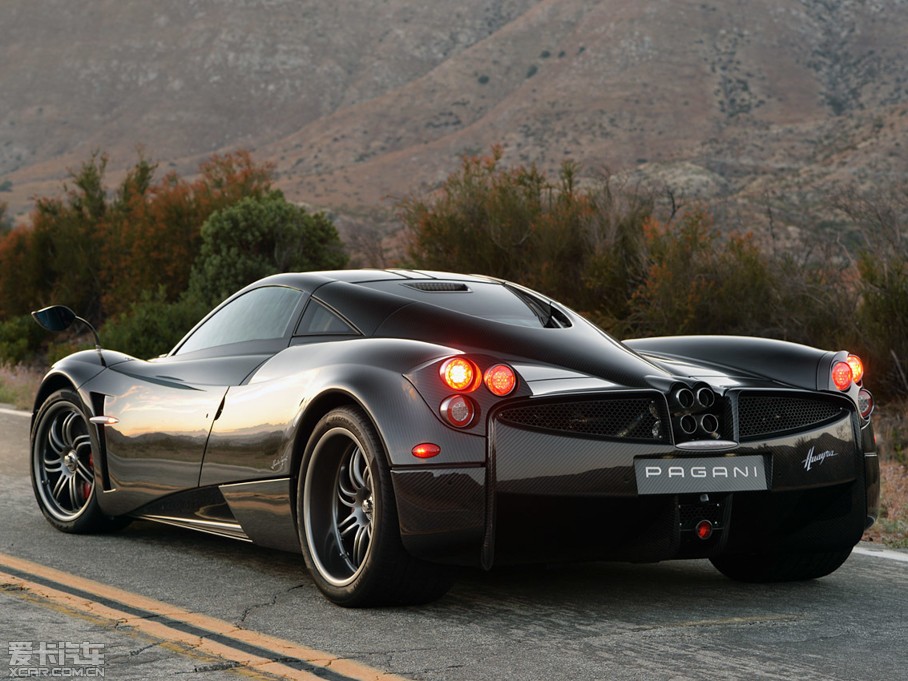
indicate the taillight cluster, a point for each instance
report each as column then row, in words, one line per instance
column 849, row 372
column 464, row 376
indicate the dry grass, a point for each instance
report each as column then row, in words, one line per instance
column 891, row 425
column 18, row 385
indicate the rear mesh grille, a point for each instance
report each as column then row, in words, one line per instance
column 762, row 415
column 627, row 418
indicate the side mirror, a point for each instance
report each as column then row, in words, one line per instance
column 54, row 318
column 59, row 318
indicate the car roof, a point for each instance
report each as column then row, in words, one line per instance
column 310, row 281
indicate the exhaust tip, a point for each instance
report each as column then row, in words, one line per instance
column 684, row 397
column 688, row 424
column 709, row 424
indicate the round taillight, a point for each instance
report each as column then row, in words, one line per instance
column 857, row 368
column 426, row 450
column 460, row 374
column 704, row 530
column 458, row 410
column 865, row 403
column 841, row 375
column 501, row 380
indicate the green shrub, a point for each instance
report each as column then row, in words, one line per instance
column 579, row 245
column 257, row 237
column 20, row 338
column 884, row 319
column 152, row 325
column 700, row 281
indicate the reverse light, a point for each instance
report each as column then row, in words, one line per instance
column 865, row 403
column 458, row 410
column 501, row 380
column 460, row 374
column 426, row 450
column 857, row 368
column 842, row 376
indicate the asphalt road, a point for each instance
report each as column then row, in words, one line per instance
column 674, row 621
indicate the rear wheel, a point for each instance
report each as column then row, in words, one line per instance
column 63, row 467
column 348, row 523
column 783, row 567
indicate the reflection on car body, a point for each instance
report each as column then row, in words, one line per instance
column 391, row 424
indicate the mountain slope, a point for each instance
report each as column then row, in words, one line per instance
column 359, row 101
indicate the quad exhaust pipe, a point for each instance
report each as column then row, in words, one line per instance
column 689, row 400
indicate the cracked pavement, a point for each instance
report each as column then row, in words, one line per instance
column 675, row 621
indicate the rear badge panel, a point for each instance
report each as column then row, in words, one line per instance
column 692, row 475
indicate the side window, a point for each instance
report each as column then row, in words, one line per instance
column 318, row 320
column 262, row 314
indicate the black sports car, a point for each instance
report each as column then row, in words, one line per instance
column 388, row 424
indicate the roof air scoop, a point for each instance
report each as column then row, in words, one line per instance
column 439, row 286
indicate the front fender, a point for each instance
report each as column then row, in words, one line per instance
column 75, row 371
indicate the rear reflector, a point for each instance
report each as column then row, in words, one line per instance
column 426, row 450
column 865, row 403
column 458, row 410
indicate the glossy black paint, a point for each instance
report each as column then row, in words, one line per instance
column 212, row 439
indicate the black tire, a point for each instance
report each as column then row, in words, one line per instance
column 348, row 523
column 783, row 567
column 63, row 473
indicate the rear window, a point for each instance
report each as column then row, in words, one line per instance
column 486, row 300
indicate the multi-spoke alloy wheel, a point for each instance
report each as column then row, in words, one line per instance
column 340, row 532
column 63, row 467
column 349, row 530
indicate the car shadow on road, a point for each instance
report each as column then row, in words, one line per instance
column 675, row 586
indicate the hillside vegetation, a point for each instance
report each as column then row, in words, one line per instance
column 757, row 107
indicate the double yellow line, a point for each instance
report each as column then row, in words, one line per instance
column 247, row 649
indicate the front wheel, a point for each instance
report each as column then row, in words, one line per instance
column 782, row 567
column 348, row 523
column 63, row 467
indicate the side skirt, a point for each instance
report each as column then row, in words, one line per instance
column 259, row 512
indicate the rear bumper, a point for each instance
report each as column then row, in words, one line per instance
column 545, row 496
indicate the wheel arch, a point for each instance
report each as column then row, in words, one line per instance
column 49, row 386
column 317, row 409
column 70, row 373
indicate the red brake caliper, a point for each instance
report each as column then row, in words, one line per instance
column 86, row 487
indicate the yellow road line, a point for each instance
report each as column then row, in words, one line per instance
column 210, row 635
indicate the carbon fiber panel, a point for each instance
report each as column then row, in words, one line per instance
column 263, row 509
column 823, row 519
column 819, row 457
column 550, row 529
column 442, row 512
column 539, row 463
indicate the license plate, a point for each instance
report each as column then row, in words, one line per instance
column 701, row 474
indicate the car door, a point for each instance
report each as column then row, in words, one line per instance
column 164, row 408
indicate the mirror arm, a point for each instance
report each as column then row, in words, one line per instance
column 97, row 339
